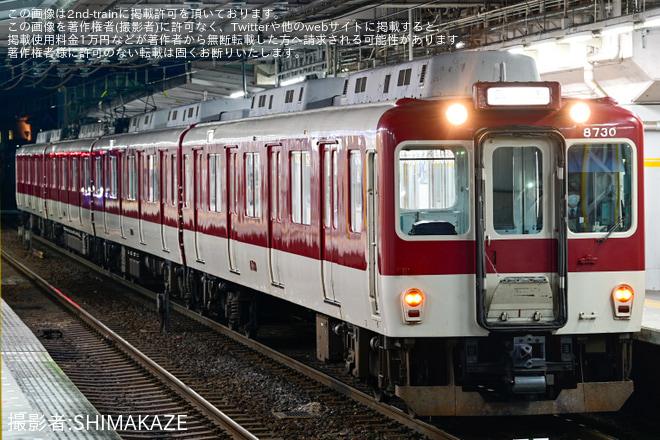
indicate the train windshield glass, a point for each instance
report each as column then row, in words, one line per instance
column 599, row 192
column 433, row 190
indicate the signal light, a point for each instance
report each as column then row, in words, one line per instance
column 457, row 114
column 622, row 299
column 412, row 302
column 580, row 112
column 413, row 297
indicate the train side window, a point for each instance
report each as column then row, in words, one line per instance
column 600, row 187
column 301, row 201
column 355, row 169
column 252, row 185
column 433, row 190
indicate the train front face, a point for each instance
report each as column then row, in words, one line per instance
column 515, row 251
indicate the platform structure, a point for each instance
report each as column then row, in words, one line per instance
column 38, row 400
column 651, row 319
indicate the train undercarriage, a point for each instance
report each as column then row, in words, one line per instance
column 505, row 373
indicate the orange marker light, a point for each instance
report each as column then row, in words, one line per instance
column 413, row 297
column 623, row 293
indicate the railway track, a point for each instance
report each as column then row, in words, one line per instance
column 376, row 420
column 118, row 378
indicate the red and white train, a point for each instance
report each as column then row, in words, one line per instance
column 479, row 252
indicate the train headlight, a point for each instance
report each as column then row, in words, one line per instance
column 412, row 301
column 622, row 300
column 580, row 112
column 457, row 114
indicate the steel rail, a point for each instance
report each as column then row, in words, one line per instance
column 209, row 410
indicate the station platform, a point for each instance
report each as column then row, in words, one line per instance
column 651, row 319
column 38, row 400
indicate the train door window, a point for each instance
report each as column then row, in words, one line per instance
column 175, row 180
column 233, row 186
column 74, row 174
column 518, row 190
column 327, row 188
column 87, row 183
column 301, row 203
column 64, row 182
column 114, row 184
column 53, row 183
column 433, row 190
column 152, row 178
column 187, row 187
column 355, row 184
column 213, row 207
column 275, row 185
column 132, row 179
column 252, row 185
column 98, row 177
column 600, row 186
column 35, row 176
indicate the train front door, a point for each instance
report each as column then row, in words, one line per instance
column 520, row 243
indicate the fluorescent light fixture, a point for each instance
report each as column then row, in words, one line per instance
column 516, row 49
column 618, row 29
column 510, row 96
column 651, row 22
column 238, row 94
column 292, row 81
column 460, row 45
column 577, row 38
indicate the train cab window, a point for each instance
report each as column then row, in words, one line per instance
column 301, row 198
column 252, row 185
column 600, row 185
column 355, row 169
column 433, row 190
column 518, row 190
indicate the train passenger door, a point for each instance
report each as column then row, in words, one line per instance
column 372, row 227
column 330, row 206
column 275, row 233
column 520, row 249
column 232, row 205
